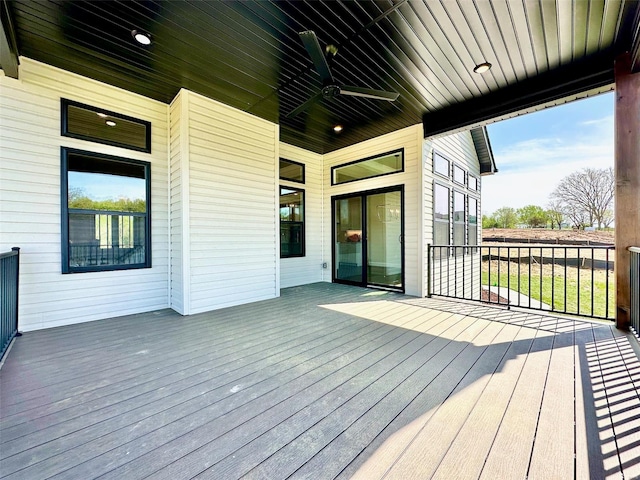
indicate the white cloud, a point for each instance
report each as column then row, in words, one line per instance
column 604, row 121
column 530, row 170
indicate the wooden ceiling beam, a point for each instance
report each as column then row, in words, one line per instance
column 8, row 45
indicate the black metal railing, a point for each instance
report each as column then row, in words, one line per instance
column 634, row 306
column 9, row 276
column 575, row 280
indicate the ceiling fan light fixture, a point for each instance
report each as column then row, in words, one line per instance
column 331, row 50
column 338, row 128
column 482, row 67
column 141, row 37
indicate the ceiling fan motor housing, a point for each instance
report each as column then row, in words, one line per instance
column 330, row 91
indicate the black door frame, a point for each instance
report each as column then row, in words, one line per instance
column 363, row 194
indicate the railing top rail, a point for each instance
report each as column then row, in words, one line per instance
column 14, row 251
column 634, row 249
column 531, row 245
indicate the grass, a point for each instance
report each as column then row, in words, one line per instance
column 556, row 286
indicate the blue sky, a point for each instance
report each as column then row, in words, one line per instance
column 100, row 186
column 534, row 152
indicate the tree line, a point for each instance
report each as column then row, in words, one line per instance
column 581, row 199
column 78, row 199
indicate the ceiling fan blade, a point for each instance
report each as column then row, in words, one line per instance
column 318, row 58
column 369, row 93
column 304, row 106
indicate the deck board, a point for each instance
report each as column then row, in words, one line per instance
column 469, row 448
column 329, row 428
column 557, row 415
column 518, row 426
column 327, row 381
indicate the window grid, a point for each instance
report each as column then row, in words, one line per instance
column 462, row 197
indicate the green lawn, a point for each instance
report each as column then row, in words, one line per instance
column 554, row 285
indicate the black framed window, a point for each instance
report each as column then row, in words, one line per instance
column 102, row 126
column 291, row 171
column 441, row 215
column 472, row 221
column 441, row 165
column 459, row 218
column 376, row 166
column 474, row 183
column 459, row 175
column 292, row 242
column 106, row 212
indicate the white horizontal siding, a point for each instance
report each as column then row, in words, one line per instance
column 307, row 269
column 232, row 186
column 411, row 140
column 30, row 144
column 176, row 206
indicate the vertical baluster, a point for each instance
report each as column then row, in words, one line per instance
column 509, row 277
column 606, row 310
column 553, row 278
column 592, row 279
column 578, row 295
column 541, row 274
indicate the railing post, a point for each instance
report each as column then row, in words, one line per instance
column 634, row 285
column 9, row 277
column 428, row 270
column 17, row 250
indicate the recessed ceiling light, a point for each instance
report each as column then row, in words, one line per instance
column 337, row 128
column 102, row 115
column 141, row 37
column 482, row 67
column 110, row 123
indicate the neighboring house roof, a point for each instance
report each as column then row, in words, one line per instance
column 483, row 149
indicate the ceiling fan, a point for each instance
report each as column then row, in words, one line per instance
column 330, row 88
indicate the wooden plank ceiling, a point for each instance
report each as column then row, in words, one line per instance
column 248, row 54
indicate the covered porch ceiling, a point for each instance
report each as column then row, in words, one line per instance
column 249, row 55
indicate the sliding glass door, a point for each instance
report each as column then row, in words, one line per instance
column 368, row 233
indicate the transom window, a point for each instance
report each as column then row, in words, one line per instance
column 459, row 175
column 103, row 126
column 473, row 183
column 441, row 165
column 291, row 171
column 292, row 241
column 385, row 164
column 105, row 212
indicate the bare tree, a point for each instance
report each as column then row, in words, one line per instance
column 608, row 218
column 586, row 196
column 554, row 212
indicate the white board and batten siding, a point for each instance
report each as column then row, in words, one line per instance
column 410, row 139
column 308, row 269
column 30, row 198
column 224, row 195
column 459, row 149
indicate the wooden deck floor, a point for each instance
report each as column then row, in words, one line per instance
column 326, row 382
